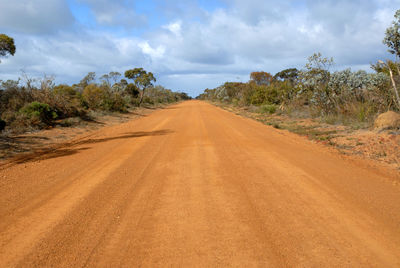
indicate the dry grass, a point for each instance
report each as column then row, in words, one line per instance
column 352, row 138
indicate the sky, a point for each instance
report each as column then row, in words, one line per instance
column 190, row 45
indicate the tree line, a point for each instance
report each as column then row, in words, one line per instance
column 317, row 91
column 32, row 103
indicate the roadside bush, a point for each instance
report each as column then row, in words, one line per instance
column 147, row 100
column 342, row 96
column 13, row 97
column 38, row 113
column 29, row 103
column 63, row 99
column 267, row 109
column 94, row 96
column 114, row 102
column 132, row 90
column 101, row 98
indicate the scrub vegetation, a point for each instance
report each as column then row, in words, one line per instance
column 316, row 91
column 29, row 103
column 33, row 103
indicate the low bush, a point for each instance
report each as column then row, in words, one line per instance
column 338, row 97
column 30, row 103
column 94, row 96
column 115, row 103
column 267, row 109
column 38, row 113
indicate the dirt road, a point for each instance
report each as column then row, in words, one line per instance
column 194, row 185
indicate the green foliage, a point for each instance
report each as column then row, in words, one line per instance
column 7, row 46
column 39, row 113
column 267, row 108
column 382, row 67
column 94, row 96
column 287, row 75
column 261, row 78
column 36, row 102
column 65, row 100
column 120, row 86
column 317, row 63
column 159, row 94
column 315, row 91
column 392, row 35
column 115, row 103
column 132, row 90
column 110, row 79
column 88, row 79
column 142, row 79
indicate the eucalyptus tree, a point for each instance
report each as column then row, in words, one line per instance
column 142, row 80
column 7, row 46
column 392, row 40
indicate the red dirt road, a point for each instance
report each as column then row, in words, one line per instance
column 194, row 185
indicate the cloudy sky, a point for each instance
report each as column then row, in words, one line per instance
column 190, row 45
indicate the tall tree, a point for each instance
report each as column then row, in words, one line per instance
column 261, row 78
column 7, row 46
column 114, row 76
column 142, row 80
column 392, row 40
column 392, row 36
column 110, row 77
column 287, row 74
column 90, row 77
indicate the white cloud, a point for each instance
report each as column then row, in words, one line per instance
column 174, row 27
column 193, row 48
column 154, row 53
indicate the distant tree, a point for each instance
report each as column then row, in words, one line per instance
column 317, row 69
column 114, row 76
column 261, row 78
column 90, row 77
column 110, row 77
column 184, row 96
column 142, row 80
column 392, row 36
column 317, row 63
column 7, row 46
column 123, row 82
column 314, row 80
column 232, row 89
column 287, row 75
column 105, row 78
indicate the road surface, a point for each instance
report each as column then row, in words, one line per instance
column 193, row 185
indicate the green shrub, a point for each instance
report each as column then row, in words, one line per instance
column 148, row 100
column 267, row 108
column 132, row 90
column 38, row 113
column 65, row 100
column 115, row 103
column 94, row 96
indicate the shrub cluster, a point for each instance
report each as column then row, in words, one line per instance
column 29, row 103
column 315, row 90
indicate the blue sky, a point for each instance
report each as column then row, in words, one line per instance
column 190, row 45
